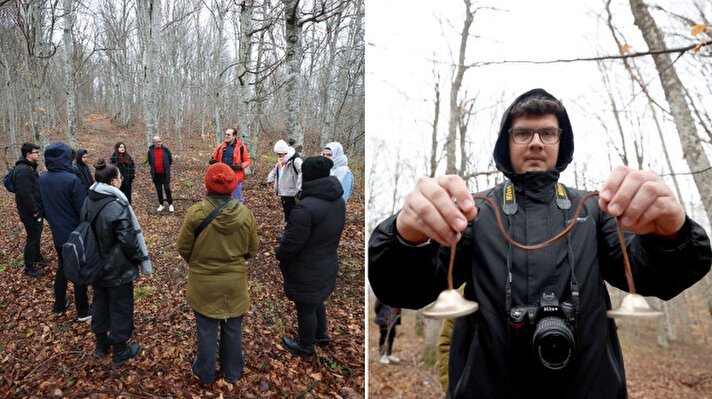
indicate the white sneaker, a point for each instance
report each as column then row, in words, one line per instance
column 170, row 208
column 160, row 208
column 394, row 359
column 384, row 359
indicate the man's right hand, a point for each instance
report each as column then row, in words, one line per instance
column 429, row 210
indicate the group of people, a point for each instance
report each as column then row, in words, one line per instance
column 218, row 236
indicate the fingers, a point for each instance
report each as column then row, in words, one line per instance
column 430, row 212
column 642, row 201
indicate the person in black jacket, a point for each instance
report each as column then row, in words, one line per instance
column 124, row 252
column 29, row 206
column 125, row 163
column 490, row 355
column 62, row 197
column 81, row 169
column 307, row 254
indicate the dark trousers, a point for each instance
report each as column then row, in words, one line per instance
column 112, row 312
column 287, row 206
column 387, row 334
column 126, row 189
column 312, row 322
column 33, row 227
column 161, row 183
column 60, row 290
column 231, row 360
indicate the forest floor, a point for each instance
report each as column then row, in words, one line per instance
column 42, row 355
column 680, row 371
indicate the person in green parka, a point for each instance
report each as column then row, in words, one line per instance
column 217, row 281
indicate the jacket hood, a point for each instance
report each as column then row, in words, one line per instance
column 58, row 157
column 80, row 154
column 230, row 217
column 326, row 188
column 501, row 148
column 33, row 165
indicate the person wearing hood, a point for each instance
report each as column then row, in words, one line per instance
column 124, row 252
column 492, row 351
column 29, row 206
column 217, row 254
column 287, row 177
column 81, row 169
column 307, row 254
column 125, row 163
column 335, row 152
column 62, row 196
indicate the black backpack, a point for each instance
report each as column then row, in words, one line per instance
column 83, row 262
column 7, row 180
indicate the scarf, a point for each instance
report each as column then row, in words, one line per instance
column 103, row 188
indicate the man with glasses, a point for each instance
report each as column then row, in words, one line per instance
column 493, row 351
column 234, row 154
column 29, row 206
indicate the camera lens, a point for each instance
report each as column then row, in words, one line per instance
column 553, row 343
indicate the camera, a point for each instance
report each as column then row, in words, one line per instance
column 547, row 328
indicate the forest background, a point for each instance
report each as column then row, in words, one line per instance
column 632, row 77
column 93, row 72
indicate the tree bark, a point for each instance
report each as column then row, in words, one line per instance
column 692, row 148
column 294, row 56
column 70, row 85
column 148, row 13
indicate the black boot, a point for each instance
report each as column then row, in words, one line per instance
column 322, row 339
column 295, row 347
column 102, row 345
column 33, row 271
column 123, row 352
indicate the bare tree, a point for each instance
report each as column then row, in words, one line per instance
column 70, row 85
column 148, row 16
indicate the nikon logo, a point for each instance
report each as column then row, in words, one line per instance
column 550, row 308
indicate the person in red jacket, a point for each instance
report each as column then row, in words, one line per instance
column 233, row 153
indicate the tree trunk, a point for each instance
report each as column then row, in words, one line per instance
column 244, row 61
column 450, row 143
column 148, row 13
column 70, row 85
column 674, row 93
column 294, row 55
column 434, row 138
column 9, row 99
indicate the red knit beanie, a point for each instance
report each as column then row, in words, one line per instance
column 220, row 179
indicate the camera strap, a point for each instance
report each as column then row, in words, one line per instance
column 510, row 208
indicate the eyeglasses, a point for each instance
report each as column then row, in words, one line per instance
column 547, row 135
column 35, row 152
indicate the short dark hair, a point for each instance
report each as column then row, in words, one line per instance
column 27, row 148
column 234, row 131
column 105, row 172
column 536, row 105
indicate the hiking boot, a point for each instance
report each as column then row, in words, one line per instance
column 43, row 260
column 33, row 271
column 160, row 208
column 60, row 309
column 123, row 352
column 296, row 348
column 102, row 345
column 323, row 340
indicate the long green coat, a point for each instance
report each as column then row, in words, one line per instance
column 217, row 282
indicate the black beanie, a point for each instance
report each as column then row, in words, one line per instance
column 315, row 168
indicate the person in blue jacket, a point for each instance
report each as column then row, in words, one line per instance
column 335, row 152
column 62, row 195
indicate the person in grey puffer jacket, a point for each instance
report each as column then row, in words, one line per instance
column 124, row 252
column 287, row 176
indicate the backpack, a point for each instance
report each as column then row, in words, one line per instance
column 7, row 180
column 82, row 261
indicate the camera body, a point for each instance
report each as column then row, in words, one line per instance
column 546, row 328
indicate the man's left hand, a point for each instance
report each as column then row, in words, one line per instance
column 642, row 201
column 236, row 166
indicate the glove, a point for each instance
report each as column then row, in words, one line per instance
column 212, row 161
column 236, row 166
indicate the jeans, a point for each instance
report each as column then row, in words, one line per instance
column 231, row 359
column 237, row 193
column 312, row 322
column 33, row 227
column 161, row 183
column 387, row 334
column 113, row 312
column 60, row 290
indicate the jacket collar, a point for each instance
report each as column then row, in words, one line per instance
column 539, row 186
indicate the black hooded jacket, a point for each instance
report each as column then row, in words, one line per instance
column 27, row 193
column 82, row 171
column 485, row 362
column 307, row 254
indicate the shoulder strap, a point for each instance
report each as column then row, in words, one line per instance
column 210, row 218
